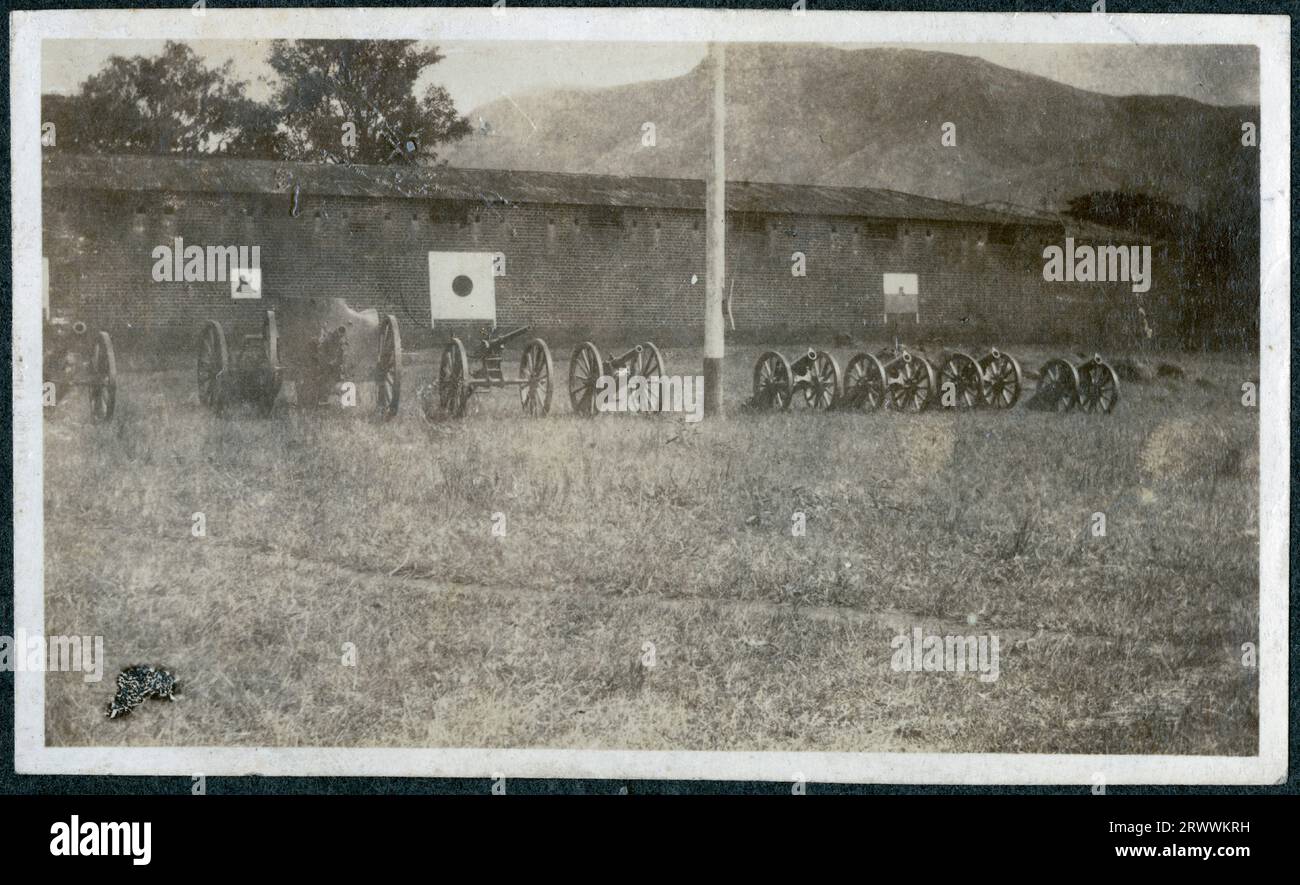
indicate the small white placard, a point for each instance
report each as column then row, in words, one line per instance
column 246, row 282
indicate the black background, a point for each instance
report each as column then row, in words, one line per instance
column 900, row 831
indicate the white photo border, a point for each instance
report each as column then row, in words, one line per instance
column 1270, row 34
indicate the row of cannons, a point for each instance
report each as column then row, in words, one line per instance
column 326, row 357
column 330, row 355
column 895, row 378
column 903, row 380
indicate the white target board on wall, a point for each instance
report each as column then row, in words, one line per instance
column 901, row 293
column 461, row 286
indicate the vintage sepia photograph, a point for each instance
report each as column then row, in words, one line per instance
column 689, row 396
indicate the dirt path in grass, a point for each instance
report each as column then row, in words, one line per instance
column 896, row 620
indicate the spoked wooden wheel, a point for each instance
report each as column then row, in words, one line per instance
column 773, row 386
column 1002, row 380
column 961, row 385
column 535, row 371
column 864, row 383
column 822, row 388
column 269, row 387
column 103, row 381
column 388, row 372
column 651, row 367
column 1058, row 386
column 913, row 388
column 213, row 363
column 584, row 375
column 453, row 380
column 1098, row 388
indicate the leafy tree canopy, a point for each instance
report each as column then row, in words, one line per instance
column 333, row 100
column 358, row 99
column 168, row 104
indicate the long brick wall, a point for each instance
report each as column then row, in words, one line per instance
column 615, row 275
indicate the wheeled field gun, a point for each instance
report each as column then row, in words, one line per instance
column 76, row 358
column 815, row 373
column 993, row 379
column 457, row 383
column 910, row 379
column 318, row 344
column 1091, row 386
column 587, row 367
column 491, row 344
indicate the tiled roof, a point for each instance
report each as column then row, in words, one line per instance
column 496, row 186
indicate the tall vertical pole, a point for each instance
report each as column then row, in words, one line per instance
column 715, row 211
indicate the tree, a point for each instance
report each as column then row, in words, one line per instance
column 356, row 100
column 168, row 104
column 1216, row 254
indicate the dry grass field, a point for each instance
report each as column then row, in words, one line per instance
column 325, row 528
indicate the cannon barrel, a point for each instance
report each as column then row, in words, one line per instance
column 804, row 361
column 624, row 359
column 495, row 340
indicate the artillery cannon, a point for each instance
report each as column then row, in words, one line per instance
column 587, row 367
column 815, row 374
column 992, row 380
column 1091, row 386
column 456, row 383
column 309, row 341
column 75, row 358
column 910, row 382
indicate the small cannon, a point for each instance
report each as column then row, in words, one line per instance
column 310, row 341
column 992, row 380
column 911, row 382
column 456, row 384
column 587, row 368
column 1091, row 386
column 815, row 374
column 75, row 358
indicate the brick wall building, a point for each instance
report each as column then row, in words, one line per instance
column 585, row 256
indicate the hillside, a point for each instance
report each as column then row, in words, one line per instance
column 872, row 117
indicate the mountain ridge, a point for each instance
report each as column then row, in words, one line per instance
column 872, row 118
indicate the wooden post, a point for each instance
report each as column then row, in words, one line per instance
column 715, row 212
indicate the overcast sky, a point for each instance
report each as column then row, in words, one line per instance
column 476, row 73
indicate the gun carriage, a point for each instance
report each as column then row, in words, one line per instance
column 909, row 379
column 587, row 367
column 1091, row 386
column 966, row 382
column 814, row 378
column 315, row 343
column 457, row 383
column 75, row 358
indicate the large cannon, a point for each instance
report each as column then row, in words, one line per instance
column 457, row 382
column 587, row 368
column 75, row 358
column 318, row 344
